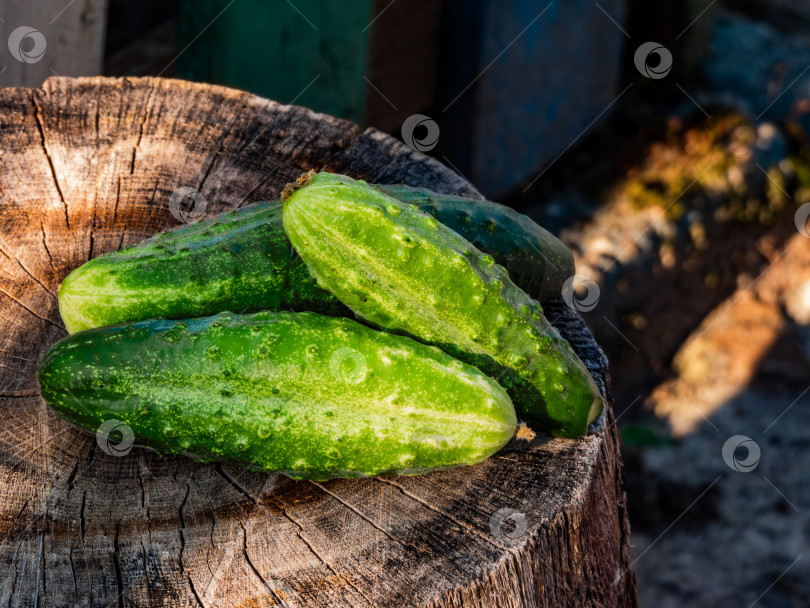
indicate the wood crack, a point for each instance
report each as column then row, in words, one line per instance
column 262, row 180
column 91, row 237
column 117, row 200
column 208, row 163
column 146, row 572
column 71, row 478
column 45, row 244
column 41, row 129
column 140, row 483
column 73, row 573
column 353, row 135
column 214, row 517
column 462, row 525
column 364, row 517
column 312, row 549
column 234, row 483
column 252, row 565
column 33, row 450
column 40, row 564
column 19, row 394
column 14, row 258
column 13, row 356
column 81, row 516
column 91, row 455
column 183, row 571
column 119, row 579
column 150, row 205
column 22, row 509
column 33, row 312
column 146, row 103
column 211, row 535
column 146, row 499
column 13, row 564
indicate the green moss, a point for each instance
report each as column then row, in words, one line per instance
column 711, row 164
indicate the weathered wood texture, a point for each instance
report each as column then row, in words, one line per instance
column 42, row 38
column 87, row 166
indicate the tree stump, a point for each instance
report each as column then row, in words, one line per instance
column 88, row 166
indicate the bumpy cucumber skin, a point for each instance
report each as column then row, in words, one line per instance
column 240, row 260
column 306, row 395
column 536, row 260
column 402, row 270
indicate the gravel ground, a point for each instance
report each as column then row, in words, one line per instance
column 721, row 537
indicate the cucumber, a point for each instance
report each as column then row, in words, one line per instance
column 402, row 270
column 536, row 260
column 299, row 393
column 241, row 260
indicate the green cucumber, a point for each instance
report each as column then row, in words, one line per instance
column 299, row 393
column 402, row 270
column 536, row 260
column 241, row 260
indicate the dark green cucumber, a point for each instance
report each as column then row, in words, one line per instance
column 536, row 260
column 242, row 260
column 402, row 270
column 307, row 395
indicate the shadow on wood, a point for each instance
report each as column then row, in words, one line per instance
column 87, row 166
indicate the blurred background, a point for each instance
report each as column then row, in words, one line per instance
column 664, row 142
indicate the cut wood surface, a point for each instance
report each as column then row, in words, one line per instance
column 88, row 166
